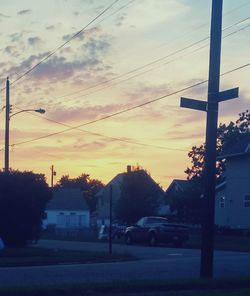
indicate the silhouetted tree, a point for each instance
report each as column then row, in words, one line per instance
column 88, row 186
column 23, row 198
column 140, row 196
column 227, row 135
column 186, row 205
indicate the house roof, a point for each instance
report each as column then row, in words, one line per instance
column 221, row 186
column 242, row 147
column 183, row 185
column 67, row 199
column 118, row 179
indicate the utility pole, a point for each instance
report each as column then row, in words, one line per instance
column 211, row 107
column 7, row 127
column 53, row 173
column 110, row 218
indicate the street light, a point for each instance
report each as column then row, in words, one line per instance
column 40, row 110
column 7, row 123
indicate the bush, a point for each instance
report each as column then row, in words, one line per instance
column 23, row 197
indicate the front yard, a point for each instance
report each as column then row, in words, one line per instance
column 38, row 256
column 181, row 287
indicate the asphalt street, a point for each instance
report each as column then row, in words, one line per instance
column 155, row 263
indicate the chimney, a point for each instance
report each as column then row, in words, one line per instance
column 129, row 168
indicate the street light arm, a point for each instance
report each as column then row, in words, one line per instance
column 42, row 111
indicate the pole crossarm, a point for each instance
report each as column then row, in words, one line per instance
column 225, row 95
column 193, row 104
column 214, row 99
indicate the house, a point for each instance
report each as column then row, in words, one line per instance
column 184, row 198
column 232, row 202
column 103, row 196
column 67, row 210
column 177, row 186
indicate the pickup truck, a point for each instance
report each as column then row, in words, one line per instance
column 154, row 230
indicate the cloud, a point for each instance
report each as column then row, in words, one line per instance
column 34, row 40
column 51, row 27
column 3, row 16
column 10, row 49
column 58, row 68
column 95, row 46
column 16, row 37
column 82, row 114
column 89, row 146
column 83, row 34
column 25, row 11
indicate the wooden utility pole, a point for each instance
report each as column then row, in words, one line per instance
column 211, row 107
column 7, row 127
column 110, row 218
column 53, row 173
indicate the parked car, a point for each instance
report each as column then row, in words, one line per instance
column 154, row 230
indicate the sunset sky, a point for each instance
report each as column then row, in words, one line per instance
column 135, row 52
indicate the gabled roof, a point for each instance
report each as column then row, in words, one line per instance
column 67, row 199
column 118, row 179
column 182, row 185
column 240, row 148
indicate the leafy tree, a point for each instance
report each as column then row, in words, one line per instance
column 186, row 205
column 23, row 198
column 88, row 186
column 140, row 196
column 227, row 135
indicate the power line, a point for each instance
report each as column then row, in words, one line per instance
column 104, row 136
column 65, row 43
column 148, row 64
column 131, row 108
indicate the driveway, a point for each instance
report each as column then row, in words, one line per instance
column 156, row 263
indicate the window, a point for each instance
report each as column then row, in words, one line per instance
column 247, row 201
column 141, row 222
column 222, row 202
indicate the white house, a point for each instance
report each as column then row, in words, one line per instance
column 232, row 203
column 67, row 210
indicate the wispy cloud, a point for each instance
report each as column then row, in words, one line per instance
column 3, row 16
column 81, row 114
column 34, row 40
column 24, row 11
column 51, row 27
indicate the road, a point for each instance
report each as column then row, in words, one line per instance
column 155, row 263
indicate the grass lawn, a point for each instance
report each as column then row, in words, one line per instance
column 241, row 292
column 38, row 256
column 193, row 287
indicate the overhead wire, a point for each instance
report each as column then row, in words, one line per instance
column 146, row 65
column 104, row 136
column 65, row 43
column 130, row 108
